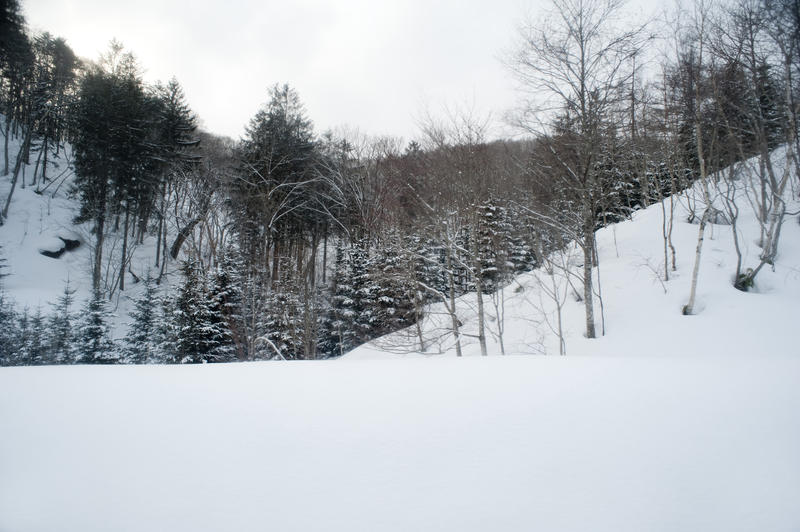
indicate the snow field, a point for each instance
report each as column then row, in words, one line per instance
column 514, row 443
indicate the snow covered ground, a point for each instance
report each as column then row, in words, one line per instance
column 517, row 443
column 667, row 423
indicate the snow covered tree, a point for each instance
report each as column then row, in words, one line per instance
column 393, row 291
column 338, row 327
column 226, row 290
column 9, row 332
column 34, row 338
column 141, row 342
column 364, row 293
column 282, row 323
column 94, row 344
column 203, row 335
column 61, row 330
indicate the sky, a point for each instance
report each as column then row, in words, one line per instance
column 375, row 65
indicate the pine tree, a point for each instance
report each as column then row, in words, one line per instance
column 35, row 340
column 394, row 292
column 94, row 337
column 338, row 327
column 282, row 324
column 363, row 294
column 222, row 303
column 9, row 332
column 203, row 335
column 226, row 287
column 113, row 146
column 141, row 342
column 167, row 331
column 61, row 332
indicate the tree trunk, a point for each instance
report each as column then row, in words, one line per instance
column 452, row 289
column 5, row 144
column 17, row 167
column 97, row 270
column 689, row 308
column 44, row 160
column 124, row 260
column 183, row 234
column 588, row 256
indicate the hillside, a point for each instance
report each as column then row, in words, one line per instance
column 642, row 311
column 666, row 423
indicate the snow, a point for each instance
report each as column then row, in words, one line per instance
column 514, row 443
column 666, row 423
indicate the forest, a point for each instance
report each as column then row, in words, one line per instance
column 291, row 243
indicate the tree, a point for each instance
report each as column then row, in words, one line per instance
column 61, row 347
column 9, row 332
column 94, row 336
column 111, row 144
column 141, row 342
column 271, row 200
column 202, row 334
column 576, row 63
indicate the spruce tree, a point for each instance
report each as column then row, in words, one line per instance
column 61, row 330
column 35, row 340
column 203, row 335
column 94, row 337
column 141, row 342
column 9, row 332
column 338, row 327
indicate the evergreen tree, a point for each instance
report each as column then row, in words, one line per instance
column 61, row 331
column 338, row 327
column 24, row 333
column 226, row 288
column 112, row 146
column 94, row 337
column 364, row 293
column 167, row 331
column 141, row 342
column 394, row 292
column 282, row 324
column 222, row 301
column 203, row 335
column 35, row 340
column 279, row 153
column 9, row 332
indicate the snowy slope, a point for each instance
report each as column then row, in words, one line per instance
column 36, row 221
column 642, row 311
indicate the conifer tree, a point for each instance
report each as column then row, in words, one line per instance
column 338, row 328
column 141, row 342
column 112, row 145
column 61, row 330
column 203, row 335
column 282, row 323
column 394, row 292
column 226, row 289
column 9, row 332
column 35, row 340
column 94, row 337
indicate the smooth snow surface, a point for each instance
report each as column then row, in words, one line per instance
column 516, row 443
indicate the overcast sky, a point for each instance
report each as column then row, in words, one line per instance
column 371, row 64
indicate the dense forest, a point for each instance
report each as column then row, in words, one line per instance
column 297, row 244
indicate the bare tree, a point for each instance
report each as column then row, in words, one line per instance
column 575, row 66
